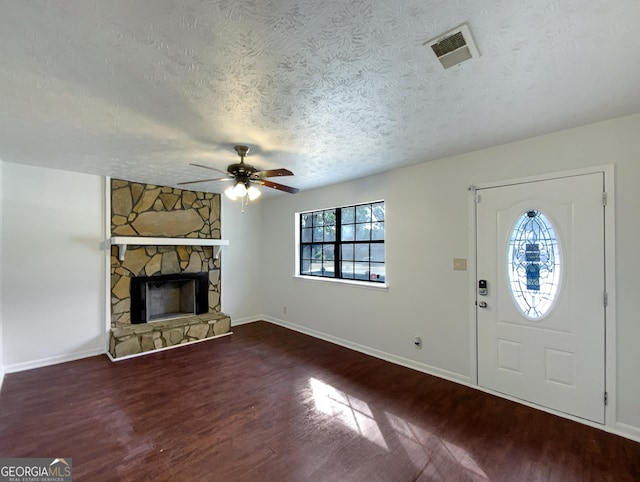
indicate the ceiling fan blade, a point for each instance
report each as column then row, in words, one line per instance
column 208, row 167
column 206, row 180
column 273, row 173
column 275, row 185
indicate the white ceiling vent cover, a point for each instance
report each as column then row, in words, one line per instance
column 454, row 47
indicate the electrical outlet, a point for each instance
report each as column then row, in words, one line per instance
column 417, row 342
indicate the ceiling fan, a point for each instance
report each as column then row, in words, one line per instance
column 245, row 175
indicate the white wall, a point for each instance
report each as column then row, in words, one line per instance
column 52, row 266
column 1, row 271
column 427, row 208
column 240, row 273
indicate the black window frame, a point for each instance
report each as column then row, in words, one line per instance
column 322, row 241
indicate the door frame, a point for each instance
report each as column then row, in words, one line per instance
column 608, row 171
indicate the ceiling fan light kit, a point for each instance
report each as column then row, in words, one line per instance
column 253, row 193
column 245, row 176
column 240, row 190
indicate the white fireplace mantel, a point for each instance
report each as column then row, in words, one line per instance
column 123, row 241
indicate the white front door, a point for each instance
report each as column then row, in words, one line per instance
column 540, row 249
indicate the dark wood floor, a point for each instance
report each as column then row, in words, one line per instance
column 270, row 404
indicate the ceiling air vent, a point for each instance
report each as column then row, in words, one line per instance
column 454, row 47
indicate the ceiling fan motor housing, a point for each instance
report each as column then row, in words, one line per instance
column 241, row 170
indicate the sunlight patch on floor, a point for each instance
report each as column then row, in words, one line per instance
column 425, row 449
column 350, row 411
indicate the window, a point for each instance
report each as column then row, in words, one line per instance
column 344, row 243
column 533, row 263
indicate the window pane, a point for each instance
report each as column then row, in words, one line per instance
column 377, row 231
column 362, row 252
column 307, row 235
column 377, row 211
column 534, row 264
column 316, row 251
column 329, row 233
column 328, row 252
column 361, row 271
column 306, row 220
column 348, row 215
column 377, row 252
column 347, row 252
column 348, row 232
column 363, row 232
column 330, row 217
column 306, row 267
column 317, row 234
column 377, row 272
column 306, row 252
column 318, row 219
column 328, row 269
column 363, row 213
column 347, row 269
column 315, row 268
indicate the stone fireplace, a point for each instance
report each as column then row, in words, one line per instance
column 167, row 293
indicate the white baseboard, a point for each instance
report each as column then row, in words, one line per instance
column 398, row 360
column 1, row 376
column 627, row 431
column 54, row 360
column 244, row 321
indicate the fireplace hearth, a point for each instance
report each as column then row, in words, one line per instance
column 161, row 297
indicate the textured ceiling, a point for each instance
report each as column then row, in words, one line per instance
column 332, row 90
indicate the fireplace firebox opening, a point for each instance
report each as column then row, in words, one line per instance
column 155, row 298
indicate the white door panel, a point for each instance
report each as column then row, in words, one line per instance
column 557, row 359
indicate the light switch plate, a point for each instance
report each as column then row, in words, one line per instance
column 460, row 264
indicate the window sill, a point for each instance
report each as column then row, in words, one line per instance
column 354, row 283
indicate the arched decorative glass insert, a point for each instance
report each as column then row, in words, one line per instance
column 534, row 265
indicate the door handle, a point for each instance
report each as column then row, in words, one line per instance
column 482, row 304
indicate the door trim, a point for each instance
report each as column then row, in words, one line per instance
column 608, row 171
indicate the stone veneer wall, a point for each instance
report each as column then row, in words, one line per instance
column 156, row 211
